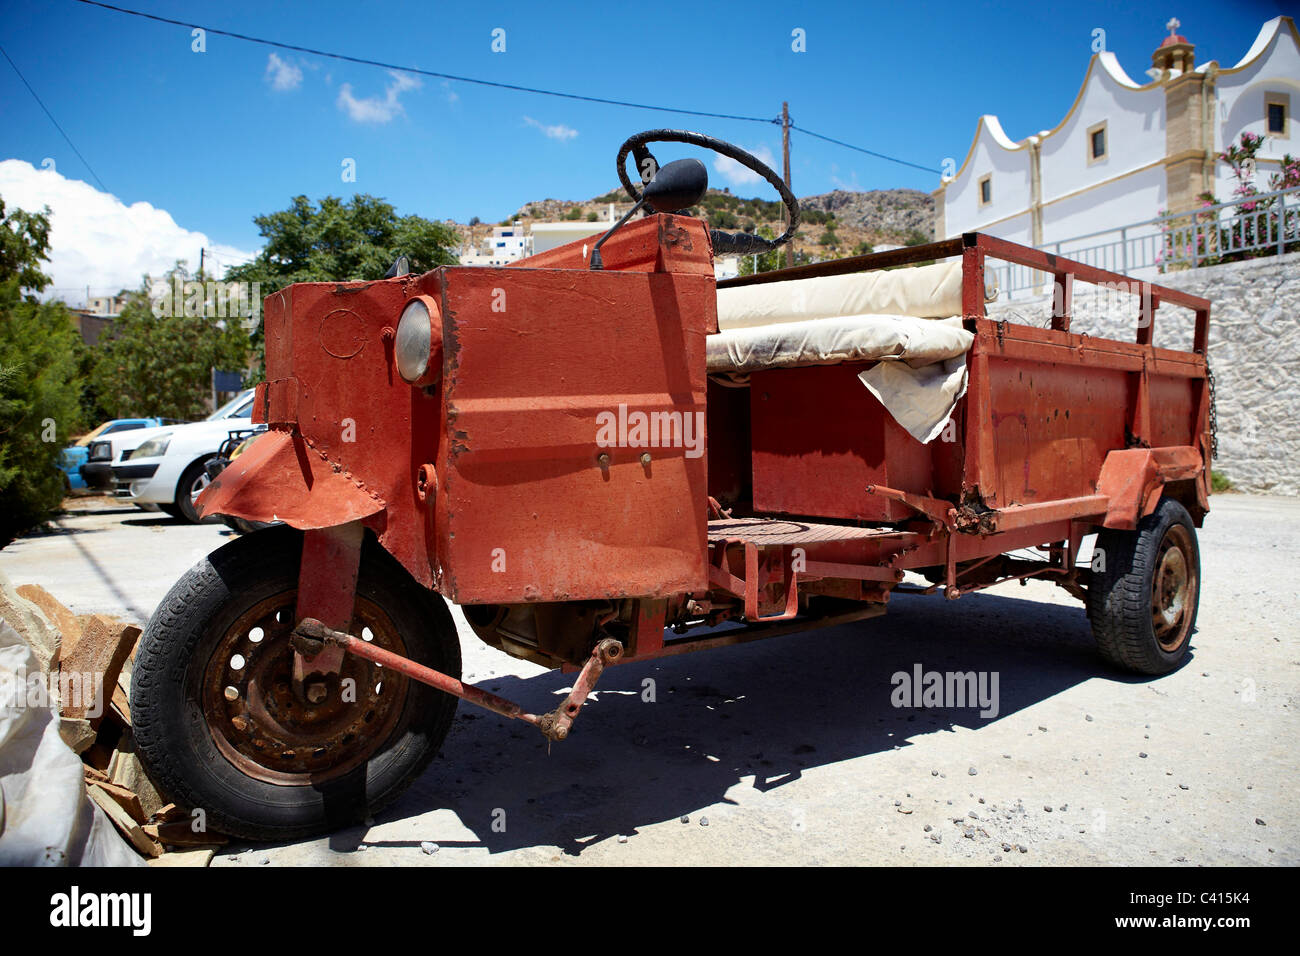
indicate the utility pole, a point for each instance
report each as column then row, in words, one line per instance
column 201, row 251
column 785, row 151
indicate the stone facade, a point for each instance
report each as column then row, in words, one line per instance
column 1189, row 149
column 1254, row 355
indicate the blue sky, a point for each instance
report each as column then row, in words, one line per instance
column 209, row 137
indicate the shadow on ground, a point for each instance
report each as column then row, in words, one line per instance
column 768, row 710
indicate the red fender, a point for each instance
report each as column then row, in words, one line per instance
column 281, row 477
column 1134, row 479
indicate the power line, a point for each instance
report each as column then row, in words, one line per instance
column 418, row 72
column 494, row 83
column 53, row 120
column 869, row 152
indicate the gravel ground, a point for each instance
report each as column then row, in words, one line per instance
column 791, row 751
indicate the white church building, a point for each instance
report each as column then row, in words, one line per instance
column 1126, row 151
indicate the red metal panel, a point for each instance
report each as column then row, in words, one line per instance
column 1051, row 427
column 1132, row 479
column 659, row 243
column 1174, row 410
column 282, row 478
column 820, row 438
column 330, row 376
column 529, row 508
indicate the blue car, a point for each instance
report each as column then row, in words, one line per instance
column 74, row 456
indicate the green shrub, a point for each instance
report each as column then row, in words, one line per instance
column 39, row 390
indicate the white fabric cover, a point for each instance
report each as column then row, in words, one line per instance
column 921, row 370
column 920, row 399
column 925, row 292
column 831, row 341
column 46, row 819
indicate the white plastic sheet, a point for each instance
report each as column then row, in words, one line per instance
column 46, row 819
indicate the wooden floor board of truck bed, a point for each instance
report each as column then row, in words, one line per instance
column 788, row 531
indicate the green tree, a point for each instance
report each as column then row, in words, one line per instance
column 336, row 241
column 39, row 391
column 158, row 357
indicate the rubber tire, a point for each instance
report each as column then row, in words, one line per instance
column 172, row 511
column 1119, row 597
column 173, row 739
column 183, row 504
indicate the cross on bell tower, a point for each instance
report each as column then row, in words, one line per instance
column 1176, row 54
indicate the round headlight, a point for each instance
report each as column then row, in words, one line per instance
column 419, row 341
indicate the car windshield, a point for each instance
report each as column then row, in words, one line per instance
column 241, row 406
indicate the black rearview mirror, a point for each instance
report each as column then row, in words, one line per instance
column 678, row 185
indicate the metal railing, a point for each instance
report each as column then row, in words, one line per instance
column 1267, row 224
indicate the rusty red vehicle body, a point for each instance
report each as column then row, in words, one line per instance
column 482, row 484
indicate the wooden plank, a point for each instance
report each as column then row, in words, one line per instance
column 122, row 820
column 124, row 798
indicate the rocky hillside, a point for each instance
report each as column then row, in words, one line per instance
column 833, row 224
column 886, row 211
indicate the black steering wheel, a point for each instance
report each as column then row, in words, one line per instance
column 724, row 243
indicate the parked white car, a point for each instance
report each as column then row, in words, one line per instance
column 166, row 467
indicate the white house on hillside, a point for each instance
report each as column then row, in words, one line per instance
column 506, row 245
column 1127, row 151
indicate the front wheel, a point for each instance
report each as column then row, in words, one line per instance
column 192, row 482
column 1145, row 589
column 216, row 720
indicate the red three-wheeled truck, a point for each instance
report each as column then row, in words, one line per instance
column 604, row 455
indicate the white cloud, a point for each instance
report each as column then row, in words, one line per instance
column 373, row 109
column 450, row 95
column 558, row 131
column 739, row 175
column 282, row 75
column 96, row 240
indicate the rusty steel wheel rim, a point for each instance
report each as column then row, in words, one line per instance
column 261, row 727
column 1173, row 589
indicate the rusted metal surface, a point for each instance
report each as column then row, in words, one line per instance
column 259, row 724
column 282, row 477
column 327, row 584
column 1131, row 480
column 313, row 638
column 552, row 401
column 557, row 724
column 1174, row 588
column 665, row 243
column 810, row 460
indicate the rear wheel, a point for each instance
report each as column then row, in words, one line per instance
column 1143, row 597
column 219, row 727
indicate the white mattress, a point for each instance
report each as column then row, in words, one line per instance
column 907, row 320
column 924, row 292
column 842, row 339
